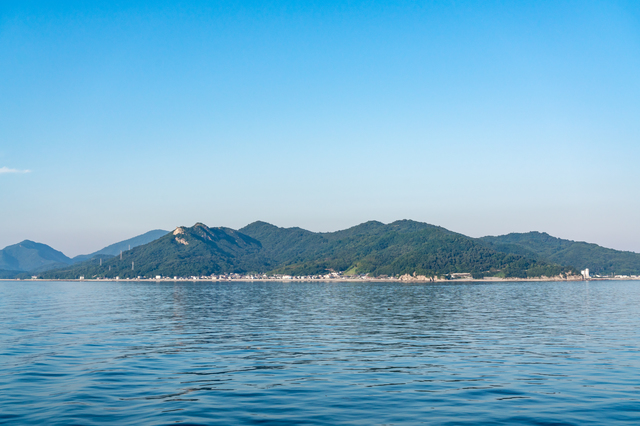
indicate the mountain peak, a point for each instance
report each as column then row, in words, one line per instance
column 259, row 224
column 31, row 256
column 29, row 244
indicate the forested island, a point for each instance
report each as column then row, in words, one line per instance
column 405, row 248
column 400, row 249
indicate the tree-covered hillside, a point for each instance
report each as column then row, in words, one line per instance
column 580, row 255
column 4, row 274
column 402, row 247
column 198, row 250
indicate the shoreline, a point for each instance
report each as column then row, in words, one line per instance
column 324, row 280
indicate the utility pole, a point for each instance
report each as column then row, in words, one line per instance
column 132, row 266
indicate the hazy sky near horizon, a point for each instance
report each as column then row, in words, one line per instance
column 485, row 117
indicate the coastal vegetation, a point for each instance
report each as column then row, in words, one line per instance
column 372, row 248
column 395, row 249
column 401, row 247
column 542, row 246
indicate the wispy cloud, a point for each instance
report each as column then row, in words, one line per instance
column 4, row 170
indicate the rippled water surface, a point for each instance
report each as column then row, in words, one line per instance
column 319, row 353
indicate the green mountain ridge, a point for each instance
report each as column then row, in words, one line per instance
column 401, row 247
column 581, row 255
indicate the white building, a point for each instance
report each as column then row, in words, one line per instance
column 585, row 273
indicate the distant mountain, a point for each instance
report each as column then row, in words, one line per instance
column 116, row 248
column 580, row 255
column 198, row 250
column 31, row 256
column 398, row 248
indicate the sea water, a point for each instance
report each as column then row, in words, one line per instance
column 319, row 353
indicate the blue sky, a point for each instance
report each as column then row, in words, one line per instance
column 482, row 117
